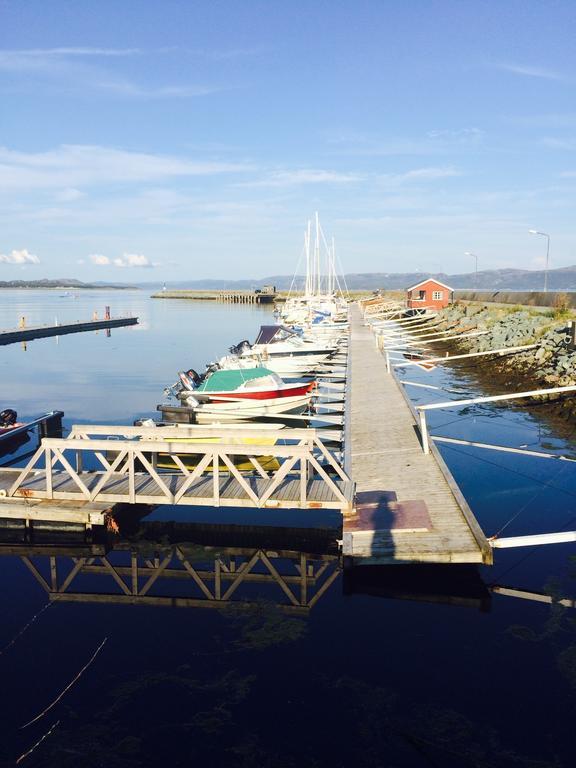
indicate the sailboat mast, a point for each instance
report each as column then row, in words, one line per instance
column 307, row 249
column 332, row 281
column 317, row 255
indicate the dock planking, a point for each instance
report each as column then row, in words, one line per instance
column 408, row 507
column 116, row 489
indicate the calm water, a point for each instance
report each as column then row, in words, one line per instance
column 386, row 669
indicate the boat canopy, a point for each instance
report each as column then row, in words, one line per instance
column 271, row 333
column 230, row 380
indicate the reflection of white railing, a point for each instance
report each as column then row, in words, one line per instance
column 205, row 471
column 302, row 579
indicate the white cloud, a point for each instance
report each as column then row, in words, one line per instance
column 531, row 71
column 126, row 260
column 76, row 165
column 128, row 88
column 563, row 144
column 38, row 59
column 304, row 176
column 19, row 257
column 429, row 174
column 69, row 195
column 440, row 141
column 132, row 260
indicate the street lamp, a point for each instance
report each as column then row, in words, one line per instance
column 467, row 253
column 536, row 232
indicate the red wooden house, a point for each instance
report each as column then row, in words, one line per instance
column 429, row 294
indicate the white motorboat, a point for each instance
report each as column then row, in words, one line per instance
column 236, row 409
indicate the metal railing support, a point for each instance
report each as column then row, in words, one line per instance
column 424, row 432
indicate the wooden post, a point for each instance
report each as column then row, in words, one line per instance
column 387, row 355
column 572, row 334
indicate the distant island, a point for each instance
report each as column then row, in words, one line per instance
column 63, row 283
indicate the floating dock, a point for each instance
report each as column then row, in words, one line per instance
column 408, row 508
column 13, row 335
column 400, row 504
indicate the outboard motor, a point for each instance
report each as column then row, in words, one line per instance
column 241, row 347
column 8, row 417
column 186, row 380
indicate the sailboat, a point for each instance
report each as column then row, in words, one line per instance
column 323, row 303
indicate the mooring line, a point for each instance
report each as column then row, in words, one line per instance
column 34, row 746
column 70, row 684
column 19, row 634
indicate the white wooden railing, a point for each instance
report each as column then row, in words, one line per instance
column 126, row 464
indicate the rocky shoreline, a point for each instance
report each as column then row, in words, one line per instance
column 550, row 363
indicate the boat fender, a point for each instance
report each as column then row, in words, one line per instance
column 186, row 382
column 3, row 493
column 8, row 417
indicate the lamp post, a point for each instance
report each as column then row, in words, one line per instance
column 467, row 253
column 544, row 234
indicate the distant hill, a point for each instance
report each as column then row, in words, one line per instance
column 563, row 279
column 64, row 282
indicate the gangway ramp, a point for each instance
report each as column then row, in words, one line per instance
column 90, row 466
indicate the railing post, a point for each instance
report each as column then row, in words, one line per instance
column 216, row 478
column 424, row 432
column 131, row 477
column 387, row 356
column 48, row 470
column 303, row 480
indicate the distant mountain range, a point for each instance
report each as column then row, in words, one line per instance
column 563, row 279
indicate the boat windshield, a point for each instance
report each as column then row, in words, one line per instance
column 272, row 333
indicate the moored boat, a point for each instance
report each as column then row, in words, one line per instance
column 237, row 409
column 256, row 383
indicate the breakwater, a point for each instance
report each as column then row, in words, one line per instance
column 230, row 297
column 525, row 298
column 551, row 362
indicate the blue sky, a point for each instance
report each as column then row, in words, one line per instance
column 162, row 140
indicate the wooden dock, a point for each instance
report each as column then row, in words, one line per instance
column 301, row 475
column 400, row 505
column 408, row 507
column 13, row 335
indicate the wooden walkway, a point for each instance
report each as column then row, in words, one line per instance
column 229, row 491
column 408, row 507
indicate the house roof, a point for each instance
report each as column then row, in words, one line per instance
column 429, row 280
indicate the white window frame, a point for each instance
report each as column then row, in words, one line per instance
column 437, row 295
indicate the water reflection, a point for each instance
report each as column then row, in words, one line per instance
column 178, row 565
